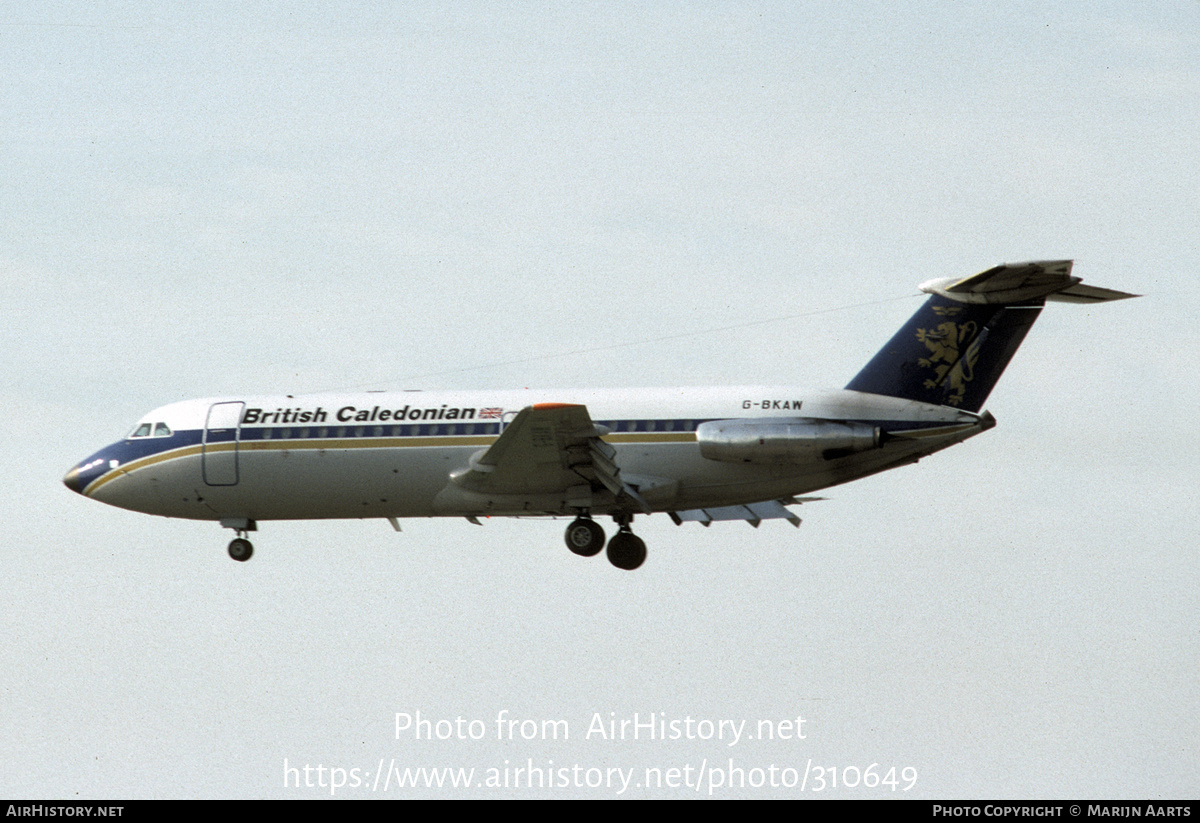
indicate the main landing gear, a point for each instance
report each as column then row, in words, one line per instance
column 625, row 550
column 585, row 537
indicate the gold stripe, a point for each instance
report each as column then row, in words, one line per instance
column 358, row 443
column 354, row 443
column 651, row 437
column 140, row 463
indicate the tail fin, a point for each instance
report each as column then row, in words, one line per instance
column 959, row 342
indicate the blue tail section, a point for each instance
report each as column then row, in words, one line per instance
column 957, row 345
column 950, row 353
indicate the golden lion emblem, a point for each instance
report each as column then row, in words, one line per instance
column 946, row 356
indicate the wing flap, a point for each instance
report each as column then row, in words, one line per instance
column 546, row 449
column 752, row 513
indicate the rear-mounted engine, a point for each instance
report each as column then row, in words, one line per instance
column 793, row 440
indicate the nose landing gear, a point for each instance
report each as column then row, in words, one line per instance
column 241, row 549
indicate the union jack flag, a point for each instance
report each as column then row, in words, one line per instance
column 491, row 413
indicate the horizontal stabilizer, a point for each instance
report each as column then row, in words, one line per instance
column 1012, row 283
column 1080, row 293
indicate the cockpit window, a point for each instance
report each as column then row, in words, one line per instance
column 151, row 429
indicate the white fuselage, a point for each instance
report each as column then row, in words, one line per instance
column 391, row 454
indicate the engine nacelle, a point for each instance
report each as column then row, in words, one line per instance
column 790, row 440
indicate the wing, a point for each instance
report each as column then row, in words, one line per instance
column 546, row 449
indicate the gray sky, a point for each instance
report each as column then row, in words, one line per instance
column 295, row 197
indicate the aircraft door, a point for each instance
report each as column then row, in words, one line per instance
column 220, row 448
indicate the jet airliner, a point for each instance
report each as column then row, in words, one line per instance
column 698, row 455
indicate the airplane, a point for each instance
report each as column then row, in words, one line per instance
column 700, row 455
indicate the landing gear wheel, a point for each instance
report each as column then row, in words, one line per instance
column 585, row 537
column 240, row 549
column 626, row 551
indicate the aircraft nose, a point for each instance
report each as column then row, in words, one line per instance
column 72, row 481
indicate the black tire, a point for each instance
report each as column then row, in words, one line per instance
column 585, row 537
column 626, row 551
column 240, row 549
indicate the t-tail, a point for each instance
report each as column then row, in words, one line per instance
column 959, row 342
